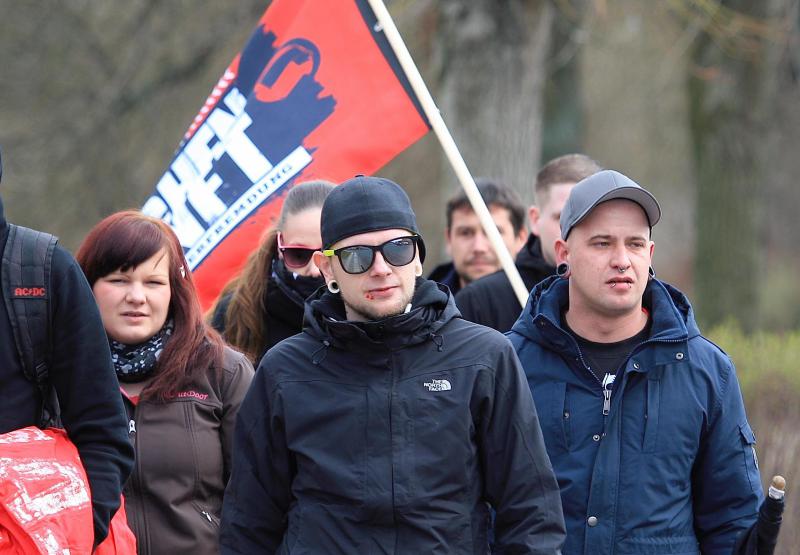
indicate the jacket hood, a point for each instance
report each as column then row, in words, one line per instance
column 432, row 306
column 670, row 310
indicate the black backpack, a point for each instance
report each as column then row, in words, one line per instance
column 26, row 268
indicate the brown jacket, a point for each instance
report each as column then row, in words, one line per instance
column 183, row 452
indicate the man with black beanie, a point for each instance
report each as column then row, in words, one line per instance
column 390, row 424
column 79, row 369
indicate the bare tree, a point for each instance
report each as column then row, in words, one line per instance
column 732, row 95
column 491, row 60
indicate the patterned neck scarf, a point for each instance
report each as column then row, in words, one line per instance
column 134, row 363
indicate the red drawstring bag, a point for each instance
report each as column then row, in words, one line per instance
column 45, row 503
column 120, row 539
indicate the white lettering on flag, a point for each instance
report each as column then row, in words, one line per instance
column 186, row 196
column 282, row 172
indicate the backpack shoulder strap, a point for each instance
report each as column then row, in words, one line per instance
column 26, row 269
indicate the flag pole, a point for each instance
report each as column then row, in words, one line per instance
column 449, row 147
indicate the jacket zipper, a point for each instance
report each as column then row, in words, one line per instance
column 391, row 440
column 607, row 383
column 604, row 385
column 136, row 479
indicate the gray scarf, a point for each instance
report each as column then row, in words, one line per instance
column 134, row 363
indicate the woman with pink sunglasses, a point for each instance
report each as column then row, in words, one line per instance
column 264, row 303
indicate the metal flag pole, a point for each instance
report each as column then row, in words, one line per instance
column 449, row 146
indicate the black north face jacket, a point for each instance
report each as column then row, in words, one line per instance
column 390, row 437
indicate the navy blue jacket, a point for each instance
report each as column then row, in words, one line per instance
column 672, row 467
column 391, row 436
column 83, row 376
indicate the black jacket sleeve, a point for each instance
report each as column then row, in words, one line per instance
column 519, row 479
column 257, row 498
column 83, row 376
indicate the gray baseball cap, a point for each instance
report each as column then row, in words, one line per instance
column 600, row 187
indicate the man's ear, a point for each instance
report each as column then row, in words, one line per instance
column 534, row 215
column 324, row 264
column 562, row 252
column 522, row 237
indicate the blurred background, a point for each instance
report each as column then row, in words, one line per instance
column 697, row 100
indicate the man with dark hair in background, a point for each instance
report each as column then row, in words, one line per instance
column 491, row 300
column 472, row 254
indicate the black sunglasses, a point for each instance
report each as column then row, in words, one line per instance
column 357, row 259
column 295, row 256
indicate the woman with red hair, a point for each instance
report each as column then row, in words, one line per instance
column 181, row 386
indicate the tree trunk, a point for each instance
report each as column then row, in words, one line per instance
column 730, row 94
column 491, row 57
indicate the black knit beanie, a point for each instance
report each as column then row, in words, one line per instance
column 364, row 204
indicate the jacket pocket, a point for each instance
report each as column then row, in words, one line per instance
column 207, row 516
column 652, row 410
column 749, row 454
column 552, row 403
column 328, row 440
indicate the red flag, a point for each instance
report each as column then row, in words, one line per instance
column 315, row 93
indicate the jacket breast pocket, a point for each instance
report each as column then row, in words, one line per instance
column 326, row 430
column 652, row 411
column 555, row 415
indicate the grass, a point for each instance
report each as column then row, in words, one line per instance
column 768, row 366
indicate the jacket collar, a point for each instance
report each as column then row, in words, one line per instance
column 431, row 308
column 446, row 274
column 673, row 322
column 530, row 257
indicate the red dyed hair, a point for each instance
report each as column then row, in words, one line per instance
column 123, row 241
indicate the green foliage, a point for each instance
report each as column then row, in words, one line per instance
column 762, row 359
column 769, row 373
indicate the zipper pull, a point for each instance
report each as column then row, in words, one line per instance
column 131, row 427
column 208, row 516
column 608, row 381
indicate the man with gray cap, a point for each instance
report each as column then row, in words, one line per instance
column 390, row 424
column 642, row 417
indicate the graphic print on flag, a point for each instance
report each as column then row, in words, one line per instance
column 315, row 94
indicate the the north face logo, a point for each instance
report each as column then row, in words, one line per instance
column 29, row 292
column 438, row 385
